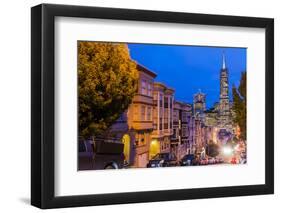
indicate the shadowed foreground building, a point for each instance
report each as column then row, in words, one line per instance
column 135, row 125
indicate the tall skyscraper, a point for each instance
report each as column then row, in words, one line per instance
column 224, row 109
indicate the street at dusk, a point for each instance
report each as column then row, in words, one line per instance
column 148, row 106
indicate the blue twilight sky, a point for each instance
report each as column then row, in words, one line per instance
column 189, row 69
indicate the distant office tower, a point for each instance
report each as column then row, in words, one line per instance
column 199, row 105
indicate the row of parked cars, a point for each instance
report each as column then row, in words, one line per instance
column 192, row 160
column 169, row 159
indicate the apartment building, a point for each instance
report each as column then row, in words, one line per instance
column 163, row 99
column 135, row 125
column 182, row 113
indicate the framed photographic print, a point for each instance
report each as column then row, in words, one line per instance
column 139, row 106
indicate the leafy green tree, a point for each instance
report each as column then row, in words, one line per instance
column 212, row 149
column 240, row 105
column 107, row 82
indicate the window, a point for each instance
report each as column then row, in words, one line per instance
column 143, row 87
column 166, row 113
column 140, row 140
column 165, row 118
column 136, row 113
column 155, row 126
column 166, row 102
column 166, row 144
column 149, row 89
column 184, row 130
column 184, row 116
column 155, row 95
column 136, row 139
column 162, row 145
column 175, row 115
column 161, row 100
column 142, row 113
column 155, row 100
column 175, row 133
column 148, row 118
column 161, row 112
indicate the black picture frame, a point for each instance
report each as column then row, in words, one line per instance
column 43, row 102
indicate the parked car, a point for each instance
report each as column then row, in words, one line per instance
column 163, row 160
column 221, row 160
column 203, row 161
column 233, row 160
column 211, row 160
column 217, row 160
column 243, row 161
column 187, row 160
column 243, row 158
column 196, row 161
column 100, row 154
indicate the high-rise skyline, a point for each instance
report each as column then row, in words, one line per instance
column 192, row 67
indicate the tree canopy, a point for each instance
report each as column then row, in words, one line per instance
column 212, row 149
column 240, row 105
column 107, row 82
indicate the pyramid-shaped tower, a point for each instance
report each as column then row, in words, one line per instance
column 224, row 107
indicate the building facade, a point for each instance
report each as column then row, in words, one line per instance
column 135, row 125
column 163, row 98
column 180, row 140
column 199, row 105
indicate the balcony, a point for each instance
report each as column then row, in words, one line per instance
column 157, row 134
column 144, row 99
column 168, row 132
column 142, row 125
